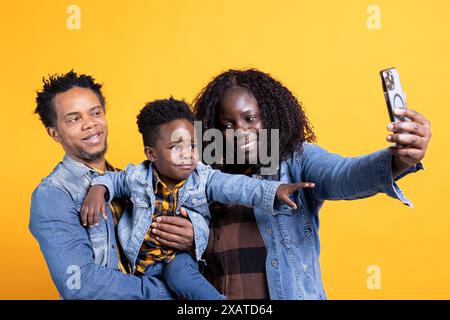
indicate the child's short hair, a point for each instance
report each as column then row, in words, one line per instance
column 159, row 112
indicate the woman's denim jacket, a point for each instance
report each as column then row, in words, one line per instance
column 291, row 236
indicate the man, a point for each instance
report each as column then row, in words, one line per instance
column 85, row 263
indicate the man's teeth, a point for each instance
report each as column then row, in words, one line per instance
column 248, row 144
column 92, row 137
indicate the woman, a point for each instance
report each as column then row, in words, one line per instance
column 255, row 255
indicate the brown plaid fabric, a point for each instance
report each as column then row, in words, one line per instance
column 236, row 253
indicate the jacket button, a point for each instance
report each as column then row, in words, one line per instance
column 269, row 230
column 275, row 263
column 194, row 215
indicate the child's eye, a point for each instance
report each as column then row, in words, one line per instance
column 251, row 118
column 177, row 147
column 193, row 146
column 228, row 126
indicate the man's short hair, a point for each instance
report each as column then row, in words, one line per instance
column 59, row 83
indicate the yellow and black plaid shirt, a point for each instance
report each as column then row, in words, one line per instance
column 117, row 206
column 166, row 200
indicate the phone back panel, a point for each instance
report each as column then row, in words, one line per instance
column 393, row 92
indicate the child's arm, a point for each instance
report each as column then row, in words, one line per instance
column 93, row 204
column 243, row 190
column 116, row 183
column 103, row 189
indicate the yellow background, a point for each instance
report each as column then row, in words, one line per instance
column 322, row 50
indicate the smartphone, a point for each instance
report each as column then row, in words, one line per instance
column 393, row 93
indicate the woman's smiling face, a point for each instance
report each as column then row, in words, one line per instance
column 239, row 111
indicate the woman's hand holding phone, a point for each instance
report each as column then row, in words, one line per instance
column 411, row 138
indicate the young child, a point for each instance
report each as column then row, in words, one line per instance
column 172, row 178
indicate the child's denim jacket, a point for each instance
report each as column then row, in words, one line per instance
column 203, row 186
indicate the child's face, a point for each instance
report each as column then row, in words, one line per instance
column 175, row 153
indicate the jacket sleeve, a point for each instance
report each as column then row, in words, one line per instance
column 347, row 178
column 66, row 247
column 239, row 189
column 117, row 183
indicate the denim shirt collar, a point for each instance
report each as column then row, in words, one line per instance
column 80, row 169
column 76, row 167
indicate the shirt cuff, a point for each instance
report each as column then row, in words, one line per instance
column 388, row 183
column 101, row 180
column 269, row 195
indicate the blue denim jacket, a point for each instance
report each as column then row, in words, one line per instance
column 73, row 251
column 203, row 186
column 291, row 236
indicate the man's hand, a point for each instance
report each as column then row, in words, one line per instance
column 285, row 190
column 413, row 135
column 175, row 232
column 93, row 204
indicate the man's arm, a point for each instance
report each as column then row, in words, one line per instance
column 68, row 252
column 349, row 178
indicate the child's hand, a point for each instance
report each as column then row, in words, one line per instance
column 93, row 204
column 286, row 189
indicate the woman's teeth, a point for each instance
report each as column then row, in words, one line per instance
column 245, row 146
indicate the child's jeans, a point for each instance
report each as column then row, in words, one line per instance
column 183, row 277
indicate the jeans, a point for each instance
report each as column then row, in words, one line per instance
column 183, row 277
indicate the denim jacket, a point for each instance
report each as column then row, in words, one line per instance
column 203, row 186
column 291, row 236
column 83, row 262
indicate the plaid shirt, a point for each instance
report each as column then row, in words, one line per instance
column 236, row 253
column 165, row 205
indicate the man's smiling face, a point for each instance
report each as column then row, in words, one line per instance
column 81, row 126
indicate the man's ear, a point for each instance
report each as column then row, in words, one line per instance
column 150, row 153
column 53, row 134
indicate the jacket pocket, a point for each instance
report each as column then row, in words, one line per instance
column 140, row 200
column 197, row 201
column 98, row 236
column 284, row 209
column 99, row 241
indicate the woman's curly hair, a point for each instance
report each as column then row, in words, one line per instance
column 280, row 109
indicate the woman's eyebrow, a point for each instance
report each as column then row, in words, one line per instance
column 223, row 118
column 247, row 112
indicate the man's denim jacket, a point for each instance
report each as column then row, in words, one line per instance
column 203, row 186
column 291, row 236
column 83, row 262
